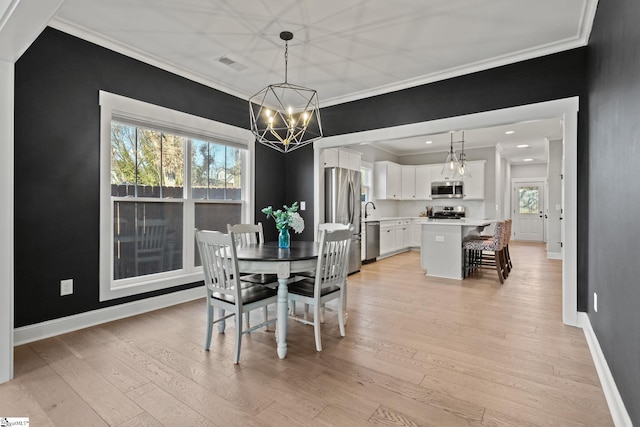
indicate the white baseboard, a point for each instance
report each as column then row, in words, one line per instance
column 616, row 405
column 554, row 255
column 30, row 333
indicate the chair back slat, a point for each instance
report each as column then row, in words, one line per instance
column 219, row 262
column 246, row 234
column 333, row 258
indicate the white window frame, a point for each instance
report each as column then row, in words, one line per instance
column 117, row 107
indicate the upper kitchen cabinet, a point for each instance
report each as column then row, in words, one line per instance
column 474, row 183
column 387, row 182
column 340, row 157
column 423, row 182
column 408, row 183
column 438, row 174
column 416, row 182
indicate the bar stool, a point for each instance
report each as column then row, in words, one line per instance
column 507, row 257
column 487, row 252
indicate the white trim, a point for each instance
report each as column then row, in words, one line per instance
column 7, row 77
column 614, row 400
column 566, row 108
column 580, row 39
column 63, row 325
column 554, row 255
column 145, row 57
column 112, row 105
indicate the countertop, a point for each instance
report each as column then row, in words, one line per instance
column 466, row 222
column 391, row 218
column 473, row 222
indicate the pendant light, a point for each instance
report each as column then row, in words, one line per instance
column 450, row 167
column 463, row 169
column 285, row 116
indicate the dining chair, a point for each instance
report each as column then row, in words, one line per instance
column 224, row 290
column 246, row 234
column 330, row 281
column 327, row 226
column 150, row 244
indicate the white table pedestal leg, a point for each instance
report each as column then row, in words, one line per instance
column 283, row 293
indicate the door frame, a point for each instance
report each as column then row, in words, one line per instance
column 513, row 200
column 565, row 108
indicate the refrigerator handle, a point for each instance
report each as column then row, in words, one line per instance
column 351, row 205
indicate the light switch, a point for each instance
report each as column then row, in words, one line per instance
column 303, row 205
column 439, row 238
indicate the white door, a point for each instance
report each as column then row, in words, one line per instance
column 527, row 202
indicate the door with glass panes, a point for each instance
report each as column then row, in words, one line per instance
column 528, row 211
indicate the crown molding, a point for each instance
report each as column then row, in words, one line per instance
column 108, row 43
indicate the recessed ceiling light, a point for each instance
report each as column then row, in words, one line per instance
column 527, row 160
column 428, row 142
column 509, row 132
column 522, row 145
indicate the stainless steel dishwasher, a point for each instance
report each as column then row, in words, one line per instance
column 372, row 237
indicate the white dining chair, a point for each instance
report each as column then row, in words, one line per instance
column 330, row 280
column 224, row 290
column 246, row 234
column 325, row 226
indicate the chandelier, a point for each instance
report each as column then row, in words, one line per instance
column 285, row 116
column 454, row 165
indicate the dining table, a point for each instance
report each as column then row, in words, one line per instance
column 268, row 258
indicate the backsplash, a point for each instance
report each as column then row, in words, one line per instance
column 407, row 208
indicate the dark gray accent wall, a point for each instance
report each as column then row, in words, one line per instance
column 614, row 185
column 57, row 179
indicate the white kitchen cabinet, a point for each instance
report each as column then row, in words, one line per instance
column 474, row 183
column 387, row 182
column 408, row 183
column 387, row 237
column 407, row 234
column 349, row 159
column 338, row 157
column 423, row 182
column 437, row 174
column 330, row 157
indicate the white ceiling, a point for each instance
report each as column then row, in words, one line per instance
column 531, row 134
column 346, row 50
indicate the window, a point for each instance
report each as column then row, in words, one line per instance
column 164, row 173
column 366, row 171
column 528, row 200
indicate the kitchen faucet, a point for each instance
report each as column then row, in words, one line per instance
column 365, row 208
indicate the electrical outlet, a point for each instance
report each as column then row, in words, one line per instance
column 439, row 238
column 595, row 302
column 66, row 287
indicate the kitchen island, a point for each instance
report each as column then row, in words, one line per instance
column 441, row 247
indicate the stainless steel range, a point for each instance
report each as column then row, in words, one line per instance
column 448, row 212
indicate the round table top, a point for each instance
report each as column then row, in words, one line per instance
column 269, row 251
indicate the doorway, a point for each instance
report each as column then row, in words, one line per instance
column 527, row 201
column 566, row 108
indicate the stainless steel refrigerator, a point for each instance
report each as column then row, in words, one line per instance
column 342, row 205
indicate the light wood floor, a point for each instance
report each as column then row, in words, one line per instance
column 418, row 352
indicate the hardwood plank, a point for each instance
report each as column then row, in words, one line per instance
column 165, row 408
column 16, row 401
column 62, row 404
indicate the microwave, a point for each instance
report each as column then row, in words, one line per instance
column 446, row 190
